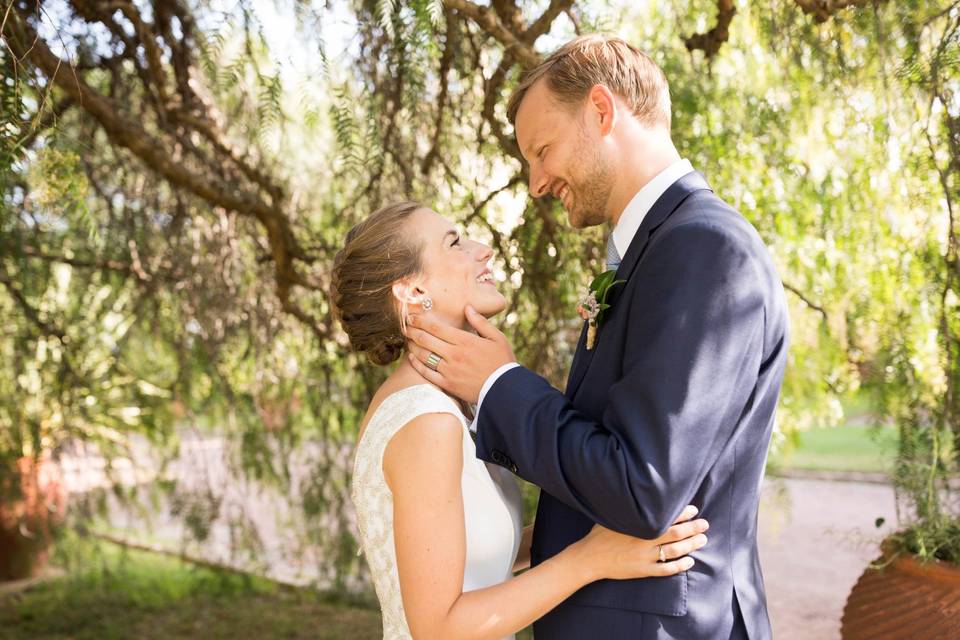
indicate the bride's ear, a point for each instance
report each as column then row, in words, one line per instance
column 407, row 292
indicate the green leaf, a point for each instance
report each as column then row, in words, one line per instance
column 602, row 293
column 603, row 280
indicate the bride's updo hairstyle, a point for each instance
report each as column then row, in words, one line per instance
column 377, row 253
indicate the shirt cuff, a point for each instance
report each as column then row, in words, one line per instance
column 486, row 387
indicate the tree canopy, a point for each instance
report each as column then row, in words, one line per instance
column 177, row 176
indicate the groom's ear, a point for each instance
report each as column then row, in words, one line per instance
column 603, row 105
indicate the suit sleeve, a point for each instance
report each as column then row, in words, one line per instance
column 691, row 360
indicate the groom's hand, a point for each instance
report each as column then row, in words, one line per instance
column 466, row 360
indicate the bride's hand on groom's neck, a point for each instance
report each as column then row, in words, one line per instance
column 466, row 359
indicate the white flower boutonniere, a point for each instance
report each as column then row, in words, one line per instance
column 593, row 304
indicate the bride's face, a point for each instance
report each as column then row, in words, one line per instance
column 456, row 270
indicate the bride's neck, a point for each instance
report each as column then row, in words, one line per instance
column 406, row 375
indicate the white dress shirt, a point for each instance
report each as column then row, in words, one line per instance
column 627, row 226
column 640, row 205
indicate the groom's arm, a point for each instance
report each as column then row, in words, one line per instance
column 692, row 357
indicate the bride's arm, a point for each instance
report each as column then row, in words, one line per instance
column 523, row 553
column 423, row 464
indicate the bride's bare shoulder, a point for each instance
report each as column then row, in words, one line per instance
column 436, row 437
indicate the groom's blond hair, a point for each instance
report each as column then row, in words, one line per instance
column 573, row 69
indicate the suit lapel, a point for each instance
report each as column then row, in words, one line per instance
column 658, row 214
column 578, row 367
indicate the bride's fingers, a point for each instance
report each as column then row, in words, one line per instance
column 418, row 356
column 439, row 330
column 688, row 512
column 684, row 547
column 684, row 530
column 428, row 373
column 674, row 567
column 426, row 342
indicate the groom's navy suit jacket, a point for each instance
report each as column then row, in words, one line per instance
column 673, row 406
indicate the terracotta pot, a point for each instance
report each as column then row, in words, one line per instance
column 32, row 504
column 905, row 598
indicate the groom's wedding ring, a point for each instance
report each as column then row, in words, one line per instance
column 433, row 360
column 661, row 557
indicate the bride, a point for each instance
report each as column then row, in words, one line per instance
column 440, row 529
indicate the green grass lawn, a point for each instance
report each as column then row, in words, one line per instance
column 850, row 447
column 858, row 445
column 113, row 593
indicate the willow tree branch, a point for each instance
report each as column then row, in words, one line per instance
column 487, row 20
column 575, row 19
column 209, row 130
column 510, row 14
column 805, row 300
column 823, row 10
column 31, row 313
column 477, row 215
column 491, row 92
column 711, row 41
column 46, row 328
column 103, row 265
column 542, row 24
column 507, row 143
column 180, row 58
column 153, row 54
column 926, row 22
column 446, row 61
column 115, row 266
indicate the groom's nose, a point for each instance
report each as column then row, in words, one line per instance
column 539, row 182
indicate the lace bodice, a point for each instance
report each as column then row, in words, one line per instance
column 491, row 504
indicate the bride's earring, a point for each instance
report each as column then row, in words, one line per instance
column 426, row 303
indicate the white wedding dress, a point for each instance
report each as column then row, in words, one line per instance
column 491, row 504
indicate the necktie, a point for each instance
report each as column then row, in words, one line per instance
column 613, row 257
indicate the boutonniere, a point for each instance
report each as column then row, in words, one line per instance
column 593, row 304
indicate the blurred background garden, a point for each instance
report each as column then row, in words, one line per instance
column 178, row 407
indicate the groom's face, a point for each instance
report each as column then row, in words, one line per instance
column 565, row 154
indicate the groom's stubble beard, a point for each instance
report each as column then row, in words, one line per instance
column 591, row 188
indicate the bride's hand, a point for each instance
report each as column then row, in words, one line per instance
column 612, row 555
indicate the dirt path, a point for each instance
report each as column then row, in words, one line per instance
column 816, row 538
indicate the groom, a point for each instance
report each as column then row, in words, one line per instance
column 673, row 403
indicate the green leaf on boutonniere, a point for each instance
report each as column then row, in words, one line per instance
column 603, row 281
column 601, row 286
